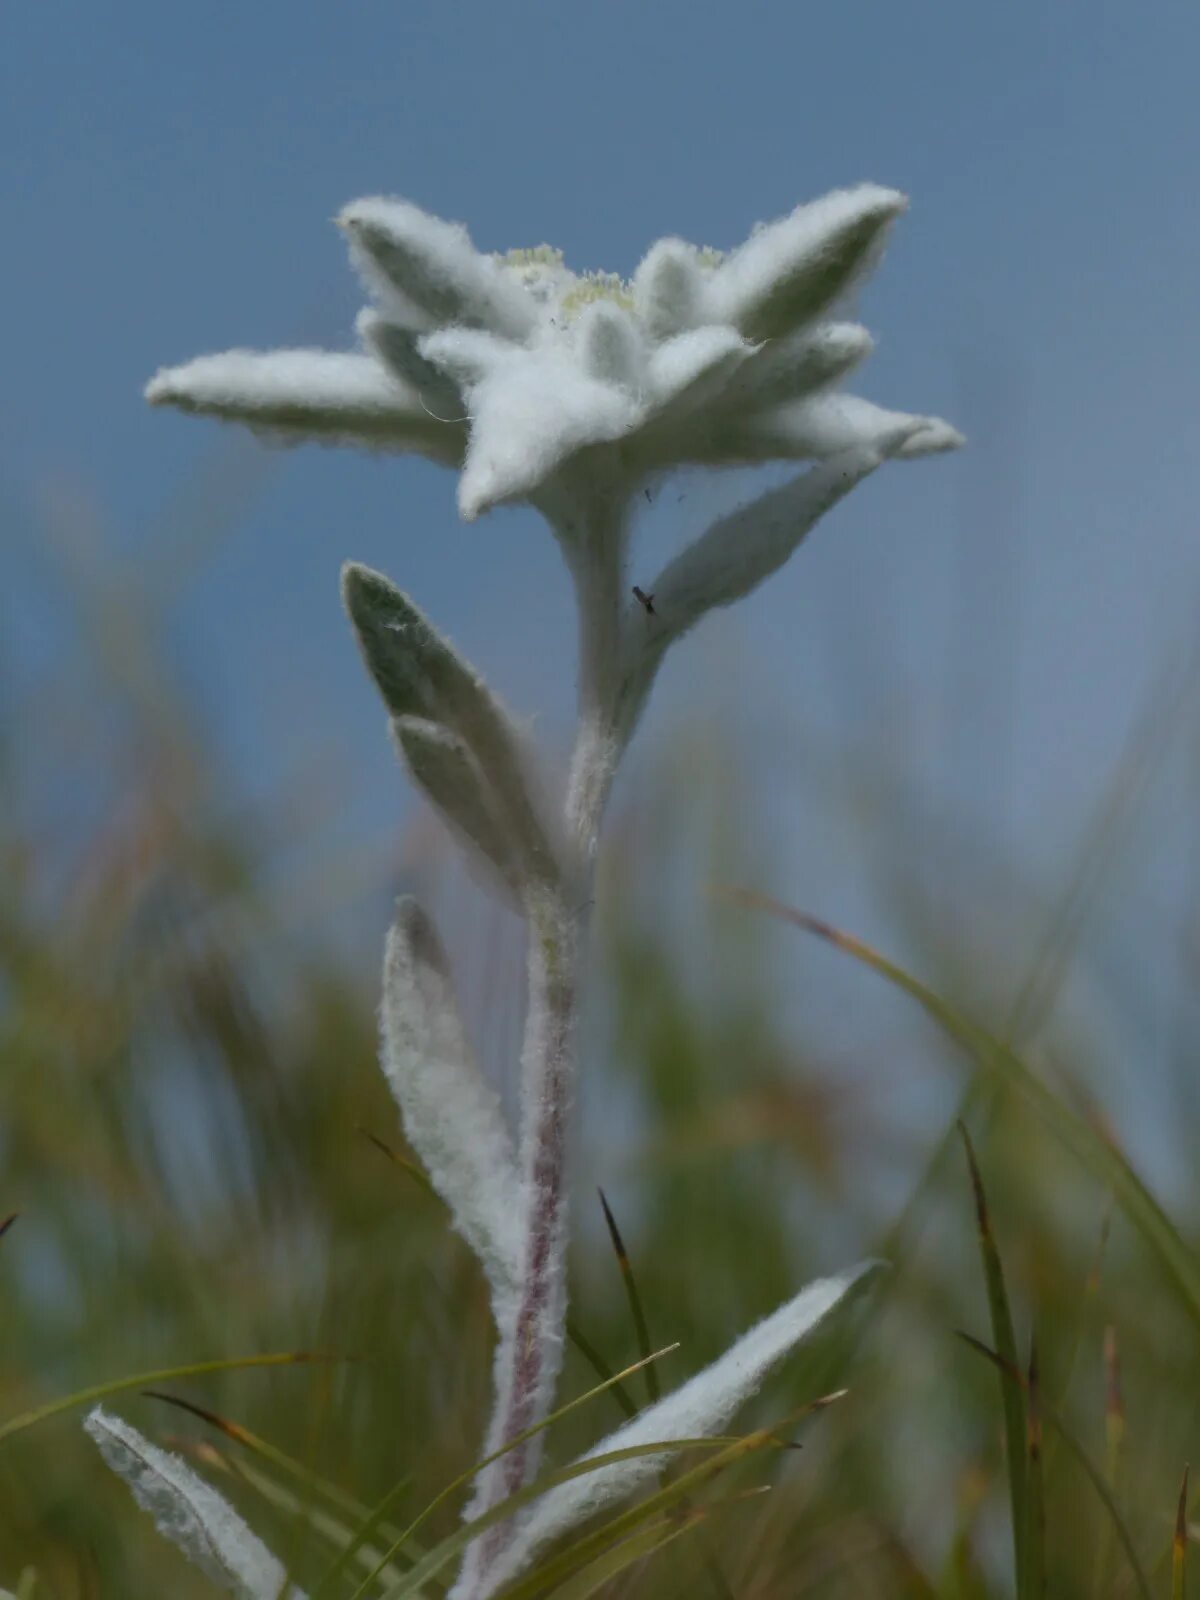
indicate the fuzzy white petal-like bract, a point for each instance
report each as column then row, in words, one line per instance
column 528, row 418
column 783, row 370
column 697, row 1409
column 790, row 271
column 610, row 346
column 687, row 369
column 190, row 1513
column 452, row 1116
column 828, row 424
column 667, row 289
column 342, row 397
column 396, row 348
column 417, row 262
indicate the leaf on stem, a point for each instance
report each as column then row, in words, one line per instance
column 421, row 675
column 699, row 1407
column 190, row 1512
column 452, row 1116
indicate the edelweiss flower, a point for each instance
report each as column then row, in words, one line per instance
column 521, row 373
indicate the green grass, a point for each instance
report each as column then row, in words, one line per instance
column 189, row 1076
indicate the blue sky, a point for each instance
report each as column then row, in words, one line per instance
column 993, row 621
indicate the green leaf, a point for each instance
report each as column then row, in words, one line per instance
column 1179, row 1544
column 1012, row 1397
column 143, row 1380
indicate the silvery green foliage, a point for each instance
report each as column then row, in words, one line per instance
column 452, row 1116
column 570, row 392
column 191, row 1513
column 461, row 744
column 698, row 1409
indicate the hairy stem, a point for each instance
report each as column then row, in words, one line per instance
column 529, row 1354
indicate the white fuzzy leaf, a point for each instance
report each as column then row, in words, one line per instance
column 428, row 271
column 697, row 1409
column 420, row 674
column 667, row 289
column 790, row 271
column 449, row 775
column 340, row 397
column 738, row 551
column 452, row 1117
column 190, row 1513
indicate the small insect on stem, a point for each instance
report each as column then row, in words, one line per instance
column 646, row 599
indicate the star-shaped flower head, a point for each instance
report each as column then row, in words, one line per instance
column 520, row 372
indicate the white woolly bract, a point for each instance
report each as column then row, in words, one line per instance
column 190, row 1513
column 528, row 417
column 396, row 348
column 611, row 346
column 419, row 263
column 687, row 370
column 782, row 370
column 341, row 396
column 452, row 1116
column 697, row 1409
column 667, row 288
column 792, row 270
column 825, row 426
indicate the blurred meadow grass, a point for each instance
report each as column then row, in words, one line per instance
column 208, row 1168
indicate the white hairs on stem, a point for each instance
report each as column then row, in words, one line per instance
column 190, row 1513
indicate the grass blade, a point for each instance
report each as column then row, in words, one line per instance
column 1094, row 1476
column 1179, row 1546
column 673, row 1496
column 646, row 1542
column 327, row 1525
column 1086, row 1142
column 1034, row 1582
column 197, row 1369
column 279, row 1459
column 1114, row 1439
column 1012, row 1397
column 8, row 1222
column 443, row 1553
column 586, row 1349
column 641, row 1331
column 465, row 1477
